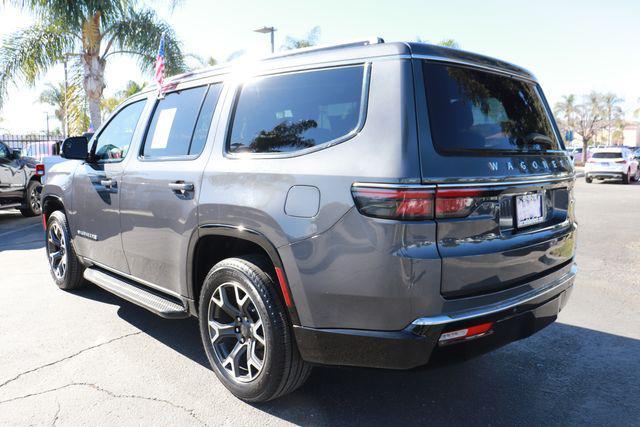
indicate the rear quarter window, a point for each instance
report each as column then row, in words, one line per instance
column 297, row 111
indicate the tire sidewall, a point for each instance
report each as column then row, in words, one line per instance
column 274, row 328
column 58, row 217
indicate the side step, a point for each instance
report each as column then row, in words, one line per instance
column 160, row 305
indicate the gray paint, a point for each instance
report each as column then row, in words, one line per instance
column 344, row 270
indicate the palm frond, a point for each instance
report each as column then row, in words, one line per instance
column 28, row 53
column 74, row 13
column 139, row 33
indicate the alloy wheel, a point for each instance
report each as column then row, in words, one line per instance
column 34, row 200
column 236, row 332
column 57, row 251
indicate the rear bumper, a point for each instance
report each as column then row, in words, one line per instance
column 417, row 344
column 604, row 175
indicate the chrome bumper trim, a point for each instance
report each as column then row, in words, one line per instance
column 499, row 306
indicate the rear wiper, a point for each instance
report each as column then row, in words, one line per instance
column 538, row 138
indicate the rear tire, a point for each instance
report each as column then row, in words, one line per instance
column 64, row 265
column 626, row 178
column 589, row 180
column 32, row 200
column 246, row 332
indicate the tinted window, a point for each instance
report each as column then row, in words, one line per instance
column 114, row 140
column 472, row 110
column 173, row 122
column 295, row 111
column 204, row 120
column 607, row 155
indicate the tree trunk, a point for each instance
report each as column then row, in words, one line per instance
column 585, row 147
column 93, row 84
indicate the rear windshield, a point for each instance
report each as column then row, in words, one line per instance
column 478, row 111
column 606, row 155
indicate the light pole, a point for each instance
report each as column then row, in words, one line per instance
column 267, row 30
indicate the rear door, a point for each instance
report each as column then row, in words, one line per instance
column 504, row 204
column 162, row 183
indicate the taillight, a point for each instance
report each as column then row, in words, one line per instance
column 459, row 203
column 621, row 161
column 419, row 204
column 394, row 203
column 40, row 169
column 471, row 332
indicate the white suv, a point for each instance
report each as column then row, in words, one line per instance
column 612, row 162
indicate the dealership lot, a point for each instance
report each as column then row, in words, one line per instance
column 89, row 357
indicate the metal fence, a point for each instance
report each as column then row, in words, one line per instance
column 36, row 146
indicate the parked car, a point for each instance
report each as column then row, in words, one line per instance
column 19, row 182
column 368, row 204
column 613, row 163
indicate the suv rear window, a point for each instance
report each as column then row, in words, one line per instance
column 479, row 111
column 606, row 155
column 296, row 111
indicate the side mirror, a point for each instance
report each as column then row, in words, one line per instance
column 75, row 148
column 17, row 153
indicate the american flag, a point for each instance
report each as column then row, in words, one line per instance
column 160, row 62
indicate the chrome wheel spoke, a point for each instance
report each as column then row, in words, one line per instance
column 221, row 331
column 252, row 358
column 258, row 332
column 243, row 301
column 222, row 301
column 232, row 362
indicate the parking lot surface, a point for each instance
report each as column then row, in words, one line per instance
column 87, row 357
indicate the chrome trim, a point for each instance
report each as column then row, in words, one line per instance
column 443, row 319
column 392, row 185
column 135, row 279
column 484, row 182
column 362, row 115
column 497, row 70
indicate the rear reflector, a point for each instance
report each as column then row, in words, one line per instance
column 466, row 333
column 40, row 169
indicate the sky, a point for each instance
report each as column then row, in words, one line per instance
column 572, row 46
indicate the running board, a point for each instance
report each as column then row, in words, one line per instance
column 160, row 305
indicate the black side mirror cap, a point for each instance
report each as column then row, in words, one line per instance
column 16, row 153
column 75, row 148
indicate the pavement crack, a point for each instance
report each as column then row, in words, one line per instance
column 10, row 380
column 190, row 412
column 57, row 414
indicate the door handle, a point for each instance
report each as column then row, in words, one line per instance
column 108, row 183
column 181, row 186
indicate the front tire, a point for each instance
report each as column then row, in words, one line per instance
column 246, row 333
column 32, row 200
column 64, row 265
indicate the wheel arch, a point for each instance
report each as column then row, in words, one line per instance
column 240, row 241
column 50, row 204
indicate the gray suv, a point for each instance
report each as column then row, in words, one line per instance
column 367, row 204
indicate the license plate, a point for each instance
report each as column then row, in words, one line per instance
column 529, row 210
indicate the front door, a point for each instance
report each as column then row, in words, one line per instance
column 95, row 217
column 161, row 185
column 12, row 177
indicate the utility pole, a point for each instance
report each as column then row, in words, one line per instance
column 47, row 116
column 268, row 30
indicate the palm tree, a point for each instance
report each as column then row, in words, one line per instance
column 565, row 110
column 108, row 104
column 55, row 96
column 91, row 31
column 311, row 39
column 446, row 42
column 613, row 113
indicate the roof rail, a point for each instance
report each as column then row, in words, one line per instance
column 350, row 43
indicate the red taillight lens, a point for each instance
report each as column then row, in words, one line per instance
column 394, row 203
column 459, row 203
column 621, row 161
column 475, row 331
column 40, row 169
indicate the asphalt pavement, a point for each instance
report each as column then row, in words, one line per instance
column 87, row 357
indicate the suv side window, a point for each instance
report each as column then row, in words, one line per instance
column 112, row 144
column 180, row 123
column 297, row 111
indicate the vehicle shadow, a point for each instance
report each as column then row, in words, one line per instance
column 562, row 375
column 20, row 233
